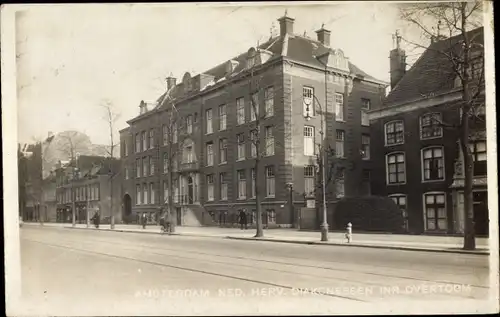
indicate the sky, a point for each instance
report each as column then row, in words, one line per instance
column 72, row 57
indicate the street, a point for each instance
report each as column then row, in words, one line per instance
column 66, row 272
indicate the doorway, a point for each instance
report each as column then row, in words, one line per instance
column 127, row 208
column 481, row 219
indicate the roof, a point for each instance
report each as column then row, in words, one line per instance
column 294, row 47
column 431, row 73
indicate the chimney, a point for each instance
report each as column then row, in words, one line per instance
column 397, row 61
column 142, row 107
column 171, row 81
column 323, row 36
column 51, row 134
column 286, row 25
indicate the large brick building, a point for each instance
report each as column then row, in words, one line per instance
column 418, row 155
column 289, row 77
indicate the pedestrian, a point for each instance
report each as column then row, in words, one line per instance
column 144, row 219
column 243, row 219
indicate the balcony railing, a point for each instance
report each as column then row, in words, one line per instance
column 192, row 166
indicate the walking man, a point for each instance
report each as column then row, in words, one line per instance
column 243, row 219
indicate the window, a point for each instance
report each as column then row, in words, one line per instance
column 144, row 141
column 339, row 183
column 137, row 194
column 210, row 154
column 189, row 124
column 208, row 115
column 242, row 185
column 430, row 126
column 145, row 194
column 394, row 133
column 125, row 147
column 222, row 117
column 165, row 192
column 223, row 186
column 152, row 193
column 270, row 181
column 223, row 150
column 435, row 211
column 254, row 107
column 271, row 216
column 165, row 135
column 253, row 145
column 145, row 169
column 339, row 143
column 478, row 150
column 400, row 201
column 253, row 183
column 309, row 180
column 365, row 183
column 138, row 168
column 432, row 164
column 210, row 187
column 269, row 141
column 308, row 140
column 241, row 146
column 365, row 106
column 269, row 100
column 339, row 107
column 137, row 143
column 151, row 165
column 240, row 110
column 151, row 138
column 174, row 132
column 176, row 191
column 308, row 101
column 188, row 154
column 365, row 147
column 395, row 168
column 165, row 163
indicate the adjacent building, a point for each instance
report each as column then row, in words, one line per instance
column 417, row 157
column 85, row 185
column 291, row 78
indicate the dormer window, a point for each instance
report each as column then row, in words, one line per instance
column 251, row 58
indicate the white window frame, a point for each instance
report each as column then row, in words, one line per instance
column 271, row 216
column 210, row 187
column 339, row 107
column 365, row 107
column 270, row 182
column 405, row 211
column 145, row 166
column 269, row 134
column 145, row 194
column 240, row 139
column 340, row 143
column 144, row 141
column 137, row 143
column 189, row 155
column 208, row 119
column 394, row 122
column 165, row 135
column 240, row 110
column 253, row 146
column 165, row 163
column 387, row 167
column 365, row 147
column 435, row 126
column 254, row 113
column 242, row 184
column 210, row 153
column 174, row 133
column 340, row 183
column 151, row 166
column 222, row 117
column 223, row 186
column 309, row 139
column 152, row 193
column 138, row 194
column 138, row 168
column 189, row 124
column 269, row 101
column 473, row 147
column 423, row 159
column 223, row 151
column 308, row 101
column 309, row 180
column 436, row 213
column 151, row 138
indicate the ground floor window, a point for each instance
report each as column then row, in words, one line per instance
column 400, row 201
column 435, row 211
column 271, row 216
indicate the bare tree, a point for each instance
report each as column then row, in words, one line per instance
column 463, row 53
column 111, row 116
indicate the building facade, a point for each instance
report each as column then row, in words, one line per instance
column 302, row 90
column 414, row 134
column 86, row 187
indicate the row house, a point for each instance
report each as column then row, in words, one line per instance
column 86, row 186
column 418, row 161
column 302, row 90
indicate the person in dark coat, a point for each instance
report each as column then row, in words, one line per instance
column 243, row 220
column 144, row 220
column 96, row 219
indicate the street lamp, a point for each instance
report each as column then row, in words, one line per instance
column 324, row 224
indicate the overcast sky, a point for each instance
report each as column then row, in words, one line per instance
column 71, row 57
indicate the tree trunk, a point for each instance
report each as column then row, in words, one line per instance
column 258, row 201
column 111, row 201
column 469, row 234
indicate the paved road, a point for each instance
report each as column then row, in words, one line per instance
column 81, row 272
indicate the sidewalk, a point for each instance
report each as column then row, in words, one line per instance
column 385, row 241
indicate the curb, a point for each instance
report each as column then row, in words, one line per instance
column 458, row 251
column 363, row 246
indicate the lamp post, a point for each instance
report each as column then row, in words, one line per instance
column 290, row 200
column 324, row 224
